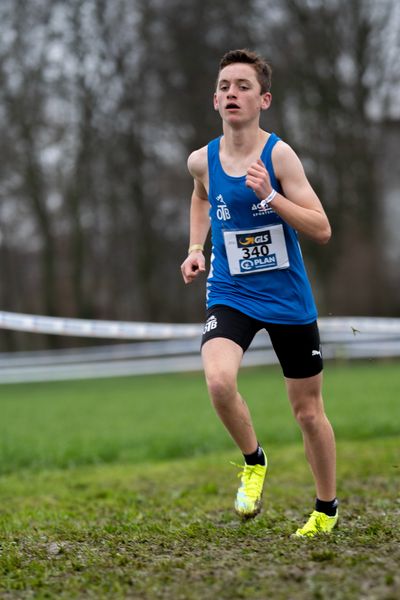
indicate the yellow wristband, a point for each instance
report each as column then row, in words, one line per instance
column 194, row 247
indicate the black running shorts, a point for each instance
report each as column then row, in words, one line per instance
column 297, row 346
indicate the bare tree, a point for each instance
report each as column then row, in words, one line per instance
column 100, row 104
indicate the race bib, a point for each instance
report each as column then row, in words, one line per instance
column 255, row 250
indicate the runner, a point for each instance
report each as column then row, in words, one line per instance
column 251, row 187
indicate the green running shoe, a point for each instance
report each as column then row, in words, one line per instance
column 249, row 494
column 317, row 523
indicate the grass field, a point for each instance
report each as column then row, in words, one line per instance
column 123, row 488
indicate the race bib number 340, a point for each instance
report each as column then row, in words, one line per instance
column 254, row 250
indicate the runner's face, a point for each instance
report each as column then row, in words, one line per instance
column 238, row 96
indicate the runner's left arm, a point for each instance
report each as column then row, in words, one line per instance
column 299, row 205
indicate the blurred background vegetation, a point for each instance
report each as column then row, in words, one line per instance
column 100, row 104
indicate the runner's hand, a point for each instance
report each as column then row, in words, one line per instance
column 193, row 265
column 257, row 179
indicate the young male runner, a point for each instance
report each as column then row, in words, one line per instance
column 252, row 187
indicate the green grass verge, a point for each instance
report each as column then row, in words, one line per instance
column 168, row 531
column 122, row 489
column 169, row 416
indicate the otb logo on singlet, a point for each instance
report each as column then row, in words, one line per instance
column 223, row 213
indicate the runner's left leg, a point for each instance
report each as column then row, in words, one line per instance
column 319, row 440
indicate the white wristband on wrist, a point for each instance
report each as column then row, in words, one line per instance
column 264, row 203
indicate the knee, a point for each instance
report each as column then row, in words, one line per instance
column 221, row 389
column 309, row 413
column 307, row 419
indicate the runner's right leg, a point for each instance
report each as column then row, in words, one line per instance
column 221, row 359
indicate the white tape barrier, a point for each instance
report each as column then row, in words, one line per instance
column 161, row 331
column 96, row 329
column 345, row 338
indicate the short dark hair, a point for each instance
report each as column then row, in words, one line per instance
column 261, row 66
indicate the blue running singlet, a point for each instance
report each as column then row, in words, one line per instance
column 256, row 262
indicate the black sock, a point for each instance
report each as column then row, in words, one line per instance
column 256, row 458
column 328, row 507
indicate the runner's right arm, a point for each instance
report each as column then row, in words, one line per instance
column 199, row 216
